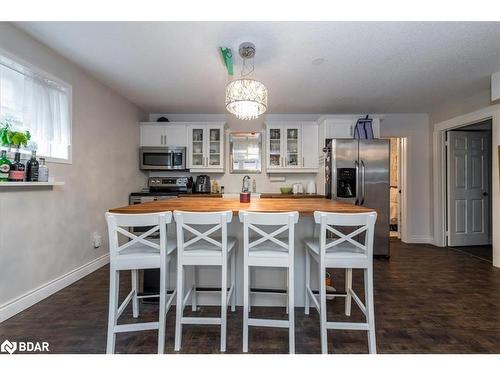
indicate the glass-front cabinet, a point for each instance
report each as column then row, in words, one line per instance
column 283, row 146
column 206, row 144
column 197, row 147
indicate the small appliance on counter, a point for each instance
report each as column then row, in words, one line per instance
column 297, row 188
column 311, row 188
column 202, row 184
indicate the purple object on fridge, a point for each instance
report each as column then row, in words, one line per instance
column 363, row 128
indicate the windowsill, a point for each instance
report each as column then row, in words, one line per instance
column 30, row 184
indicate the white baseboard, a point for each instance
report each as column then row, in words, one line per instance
column 420, row 239
column 21, row 303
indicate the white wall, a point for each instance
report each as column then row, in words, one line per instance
column 45, row 234
column 416, row 128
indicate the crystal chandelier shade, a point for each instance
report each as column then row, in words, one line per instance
column 246, row 98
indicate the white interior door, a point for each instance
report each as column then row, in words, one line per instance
column 468, row 188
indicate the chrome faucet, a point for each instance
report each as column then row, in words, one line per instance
column 245, row 187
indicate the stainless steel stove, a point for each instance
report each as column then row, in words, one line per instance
column 162, row 188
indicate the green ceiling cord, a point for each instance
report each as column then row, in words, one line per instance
column 227, row 55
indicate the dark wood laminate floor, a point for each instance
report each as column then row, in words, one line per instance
column 427, row 300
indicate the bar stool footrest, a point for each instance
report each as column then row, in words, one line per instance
column 346, row 325
column 268, row 323
column 135, row 327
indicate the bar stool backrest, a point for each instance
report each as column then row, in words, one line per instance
column 190, row 223
column 255, row 221
column 348, row 228
column 120, row 224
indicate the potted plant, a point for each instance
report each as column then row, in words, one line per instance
column 9, row 138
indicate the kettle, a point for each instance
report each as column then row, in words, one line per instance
column 297, row 188
column 311, row 187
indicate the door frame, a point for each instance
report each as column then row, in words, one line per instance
column 402, row 185
column 439, row 176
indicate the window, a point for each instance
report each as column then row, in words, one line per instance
column 30, row 100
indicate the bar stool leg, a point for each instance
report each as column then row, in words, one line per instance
column 287, row 291
column 246, row 304
column 194, row 296
column 348, row 288
column 233, row 281
column 322, row 310
column 135, row 288
column 114, row 282
column 163, row 306
column 223, row 307
column 370, row 316
column 179, row 307
column 291, row 310
column 308, row 283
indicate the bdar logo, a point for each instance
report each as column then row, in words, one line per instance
column 8, row 347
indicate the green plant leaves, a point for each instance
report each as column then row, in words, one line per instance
column 13, row 138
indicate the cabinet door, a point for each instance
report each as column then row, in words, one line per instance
column 292, row 151
column 215, row 148
column 175, row 135
column 197, row 146
column 340, row 128
column 275, row 146
column 311, row 148
column 152, row 135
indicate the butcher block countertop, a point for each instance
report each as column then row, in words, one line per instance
column 303, row 206
column 290, row 196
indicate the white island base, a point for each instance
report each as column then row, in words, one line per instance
column 260, row 277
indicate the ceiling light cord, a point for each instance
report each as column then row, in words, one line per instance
column 249, row 70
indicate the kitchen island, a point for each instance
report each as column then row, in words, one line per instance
column 261, row 278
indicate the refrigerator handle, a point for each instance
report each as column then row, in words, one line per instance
column 356, row 164
column 362, row 183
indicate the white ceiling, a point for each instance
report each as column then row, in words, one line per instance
column 372, row 67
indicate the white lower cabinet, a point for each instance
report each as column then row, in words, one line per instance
column 292, row 147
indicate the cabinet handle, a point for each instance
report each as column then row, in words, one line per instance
column 303, row 161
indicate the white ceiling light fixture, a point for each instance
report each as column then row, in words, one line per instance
column 246, row 98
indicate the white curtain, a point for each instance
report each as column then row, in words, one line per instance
column 38, row 105
column 46, row 114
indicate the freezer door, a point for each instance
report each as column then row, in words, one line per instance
column 344, row 164
column 374, row 187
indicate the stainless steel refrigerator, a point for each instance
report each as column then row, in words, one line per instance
column 357, row 171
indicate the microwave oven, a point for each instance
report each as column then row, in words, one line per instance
column 162, row 158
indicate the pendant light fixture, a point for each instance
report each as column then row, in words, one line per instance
column 246, row 98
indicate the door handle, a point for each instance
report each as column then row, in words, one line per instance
column 485, row 194
column 356, row 164
column 362, row 183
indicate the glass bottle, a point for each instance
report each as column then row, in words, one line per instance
column 4, row 167
column 17, row 169
column 32, row 168
column 43, row 171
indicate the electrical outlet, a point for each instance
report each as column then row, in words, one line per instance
column 96, row 240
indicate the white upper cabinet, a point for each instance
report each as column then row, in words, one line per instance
column 342, row 126
column 206, row 147
column 292, row 147
column 163, row 134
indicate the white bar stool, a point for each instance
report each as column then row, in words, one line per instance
column 343, row 251
column 212, row 251
column 140, row 252
column 268, row 251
